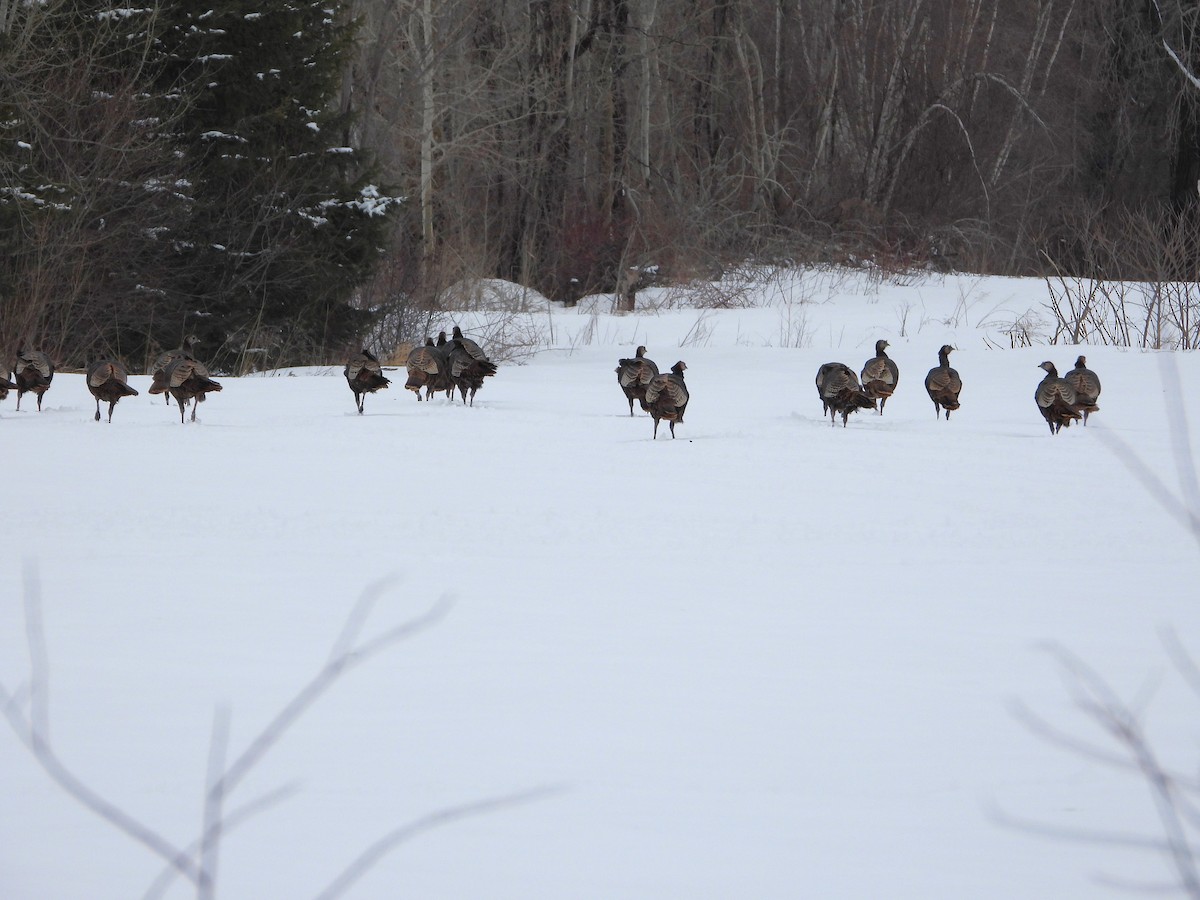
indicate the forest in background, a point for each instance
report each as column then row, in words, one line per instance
column 273, row 176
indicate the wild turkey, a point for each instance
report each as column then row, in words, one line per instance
column 365, row 376
column 468, row 365
column 667, row 397
column 108, row 381
column 1087, row 387
column 427, row 368
column 880, row 375
column 165, row 359
column 821, row 373
column 634, row 375
column 1056, row 400
column 159, row 382
column 33, row 371
column 840, row 392
column 943, row 384
column 186, row 379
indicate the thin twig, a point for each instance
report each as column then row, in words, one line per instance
column 1186, row 511
column 307, row 695
column 108, row 811
column 357, row 618
column 393, row 839
column 39, row 658
column 34, row 733
column 227, row 825
column 214, row 805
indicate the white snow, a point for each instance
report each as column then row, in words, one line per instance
column 768, row 659
column 222, row 136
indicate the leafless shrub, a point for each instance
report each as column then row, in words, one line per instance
column 700, row 333
column 504, row 336
column 508, row 320
column 402, row 310
column 491, row 295
column 794, row 328
column 733, row 291
column 1091, row 311
column 586, row 336
column 968, row 311
column 1025, row 330
column 1143, row 291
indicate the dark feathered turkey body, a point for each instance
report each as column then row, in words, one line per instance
column 165, row 359
column 840, row 392
column 365, row 376
column 634, row 375
column 185, row 379
column 667, row 397
column 427, row 368
column 880, row 375
column 1087, row 387
column 1056, row 399
column 108, row 381
column 468, row 366
column 943, row 384
column 32, row 372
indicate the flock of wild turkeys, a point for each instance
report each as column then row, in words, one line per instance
column 1060, row 400
column 459, row 363
column 446, row 365
column 177, row 373
column 663, row 396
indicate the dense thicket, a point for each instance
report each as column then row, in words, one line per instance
column 558, row 142
column 81, row 165
column 202, row 168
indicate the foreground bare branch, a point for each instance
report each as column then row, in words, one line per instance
column 393, row 839
column 28, row 713
column 1175, row 794
column 1170, row 791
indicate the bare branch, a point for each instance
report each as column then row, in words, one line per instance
column 214, row 803
column 39, row 665
column 390, row 841
column 79, row 791
column 1096, row 699
column 338, row 664
column 33, row 732
column 1179, row 63
column 229, row 823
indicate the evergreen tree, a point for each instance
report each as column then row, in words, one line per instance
column 285, row 222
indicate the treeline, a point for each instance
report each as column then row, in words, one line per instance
column 233, row 170
column 561, row 142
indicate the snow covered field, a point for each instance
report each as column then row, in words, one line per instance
column 769, row 659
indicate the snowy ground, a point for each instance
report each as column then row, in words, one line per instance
column 769, row 659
